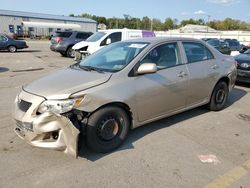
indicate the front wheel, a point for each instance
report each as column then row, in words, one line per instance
column 219, row 96
column 107, row 129
column 78, row 56
column 70, row 52
column 12, row 49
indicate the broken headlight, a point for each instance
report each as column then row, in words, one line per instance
column 59, row 106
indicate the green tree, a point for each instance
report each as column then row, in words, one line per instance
column 169, row 24
column 145, row 23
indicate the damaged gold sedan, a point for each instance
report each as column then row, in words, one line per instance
column 121, row 87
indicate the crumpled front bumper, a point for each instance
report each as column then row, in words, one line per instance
column 47, row 130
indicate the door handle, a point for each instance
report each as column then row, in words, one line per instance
column 182, row 74
column 215, row 67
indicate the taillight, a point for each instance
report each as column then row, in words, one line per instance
column 59, row 39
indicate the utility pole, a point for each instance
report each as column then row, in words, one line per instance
column 116, row 23
column 208, row 18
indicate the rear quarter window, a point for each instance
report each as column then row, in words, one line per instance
column 196, row 52
column 65, row 34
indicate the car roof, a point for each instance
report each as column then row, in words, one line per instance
column 162, row 39
column 121, row 30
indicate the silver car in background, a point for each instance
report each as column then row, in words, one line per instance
column 122, row 86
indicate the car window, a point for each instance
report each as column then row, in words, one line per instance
column 115, row 37
column 164, row 56
column 82, row 35
column 247, row 51
column 3, row 38
column 214, row 42
column 197, row 52
column 96, row 36
column 65, row 34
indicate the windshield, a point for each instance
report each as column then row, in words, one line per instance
column 114, row 57
column 247, row 52
column 96, row 36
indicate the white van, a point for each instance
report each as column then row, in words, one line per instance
column 105, row 37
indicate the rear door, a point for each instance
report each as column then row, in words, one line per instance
column 164, row 91
column 203, row 72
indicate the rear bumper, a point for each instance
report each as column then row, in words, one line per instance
column 58, row 48
column 47, row 130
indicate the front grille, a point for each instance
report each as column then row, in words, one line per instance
column 24, row 105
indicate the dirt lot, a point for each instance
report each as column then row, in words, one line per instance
column 161, row 154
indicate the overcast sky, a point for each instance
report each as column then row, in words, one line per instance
column 180, row 9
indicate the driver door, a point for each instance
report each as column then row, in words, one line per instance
column 163, row 92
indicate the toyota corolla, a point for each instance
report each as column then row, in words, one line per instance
column 122, row 86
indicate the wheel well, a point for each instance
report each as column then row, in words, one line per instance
column 69, row 46
column 120, row 105
column 224, row 79
column 11, row 45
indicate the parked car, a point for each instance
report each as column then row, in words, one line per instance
column 233, row 44
column 243, row 66
column 219, row 45
column 105, row 37
column 244, row 48
column 62, row 42
column 12, row 45
column 206, row 39
column 121, row 87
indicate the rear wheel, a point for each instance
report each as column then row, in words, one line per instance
column 12, row 49
column 107, row 129
column 219, row 96
column 63, row 54
column 70, row 52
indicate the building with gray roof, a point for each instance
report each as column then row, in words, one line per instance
column 27, row 23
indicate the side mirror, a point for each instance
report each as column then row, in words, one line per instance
column 108, row 41
column 147, row 68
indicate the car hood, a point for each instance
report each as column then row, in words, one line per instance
column 243, row 57
column 62, row 84
column 81, row 44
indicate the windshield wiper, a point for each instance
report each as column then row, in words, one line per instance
column 90, row 68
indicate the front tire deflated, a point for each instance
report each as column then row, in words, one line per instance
column 107, row 129
column 219, row 97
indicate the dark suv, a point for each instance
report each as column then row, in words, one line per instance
column 219, row 45
column 62, row 42
column 233, row 44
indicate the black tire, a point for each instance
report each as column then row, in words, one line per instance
column 219, row 97
column 107, row 129
column 12, row 49
column 70, row 52
column 63, row 54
